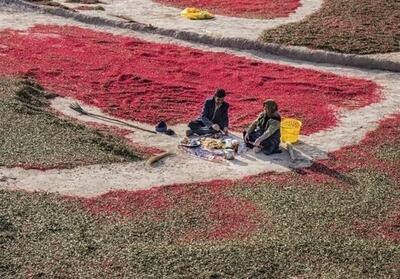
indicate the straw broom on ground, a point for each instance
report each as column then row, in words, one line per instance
column 76, row 107
column 153, row 159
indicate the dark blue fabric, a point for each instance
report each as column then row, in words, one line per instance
column 161, row 127
column 200, row 129
column 221, row 115
column 269, row 146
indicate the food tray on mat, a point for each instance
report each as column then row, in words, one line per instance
column 190, row 143
column 210, row 148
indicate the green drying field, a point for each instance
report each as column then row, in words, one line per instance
column 336, row 219
column 32, row 136
column 347, row 26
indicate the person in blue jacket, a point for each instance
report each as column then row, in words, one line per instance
column 214, row 117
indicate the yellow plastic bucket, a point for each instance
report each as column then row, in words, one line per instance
column 195, row 13
column 290, row 130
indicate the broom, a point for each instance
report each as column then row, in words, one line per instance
column 76, row 107
column 158, row 157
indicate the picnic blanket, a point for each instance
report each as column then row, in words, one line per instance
column 204, row 154
column 212, row 155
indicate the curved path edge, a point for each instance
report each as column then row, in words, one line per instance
column 298, row 53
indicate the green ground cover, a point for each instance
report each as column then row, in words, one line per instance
column 348, row 26
column 311, row 234
column 337, row 219
column 32, row 136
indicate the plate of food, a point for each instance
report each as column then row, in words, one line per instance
column 212, row 143
column 192, row 143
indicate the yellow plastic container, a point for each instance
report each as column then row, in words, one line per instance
column 290, row 130
column 195, row 13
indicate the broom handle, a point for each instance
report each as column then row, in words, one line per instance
column 79, row 109
column 121, row 122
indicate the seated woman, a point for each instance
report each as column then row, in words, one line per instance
column 264, row 133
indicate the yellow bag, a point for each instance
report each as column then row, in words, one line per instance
column 195, row 13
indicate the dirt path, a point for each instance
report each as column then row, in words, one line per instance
column 149, row 12
column 98, row 179
column 180, row 168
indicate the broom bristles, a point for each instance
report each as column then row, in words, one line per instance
column 77, row 107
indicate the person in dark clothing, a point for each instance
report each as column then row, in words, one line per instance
column 264, row 133
column 214, row 117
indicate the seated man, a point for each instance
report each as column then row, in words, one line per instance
column 264, row 133
column 214, row 117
